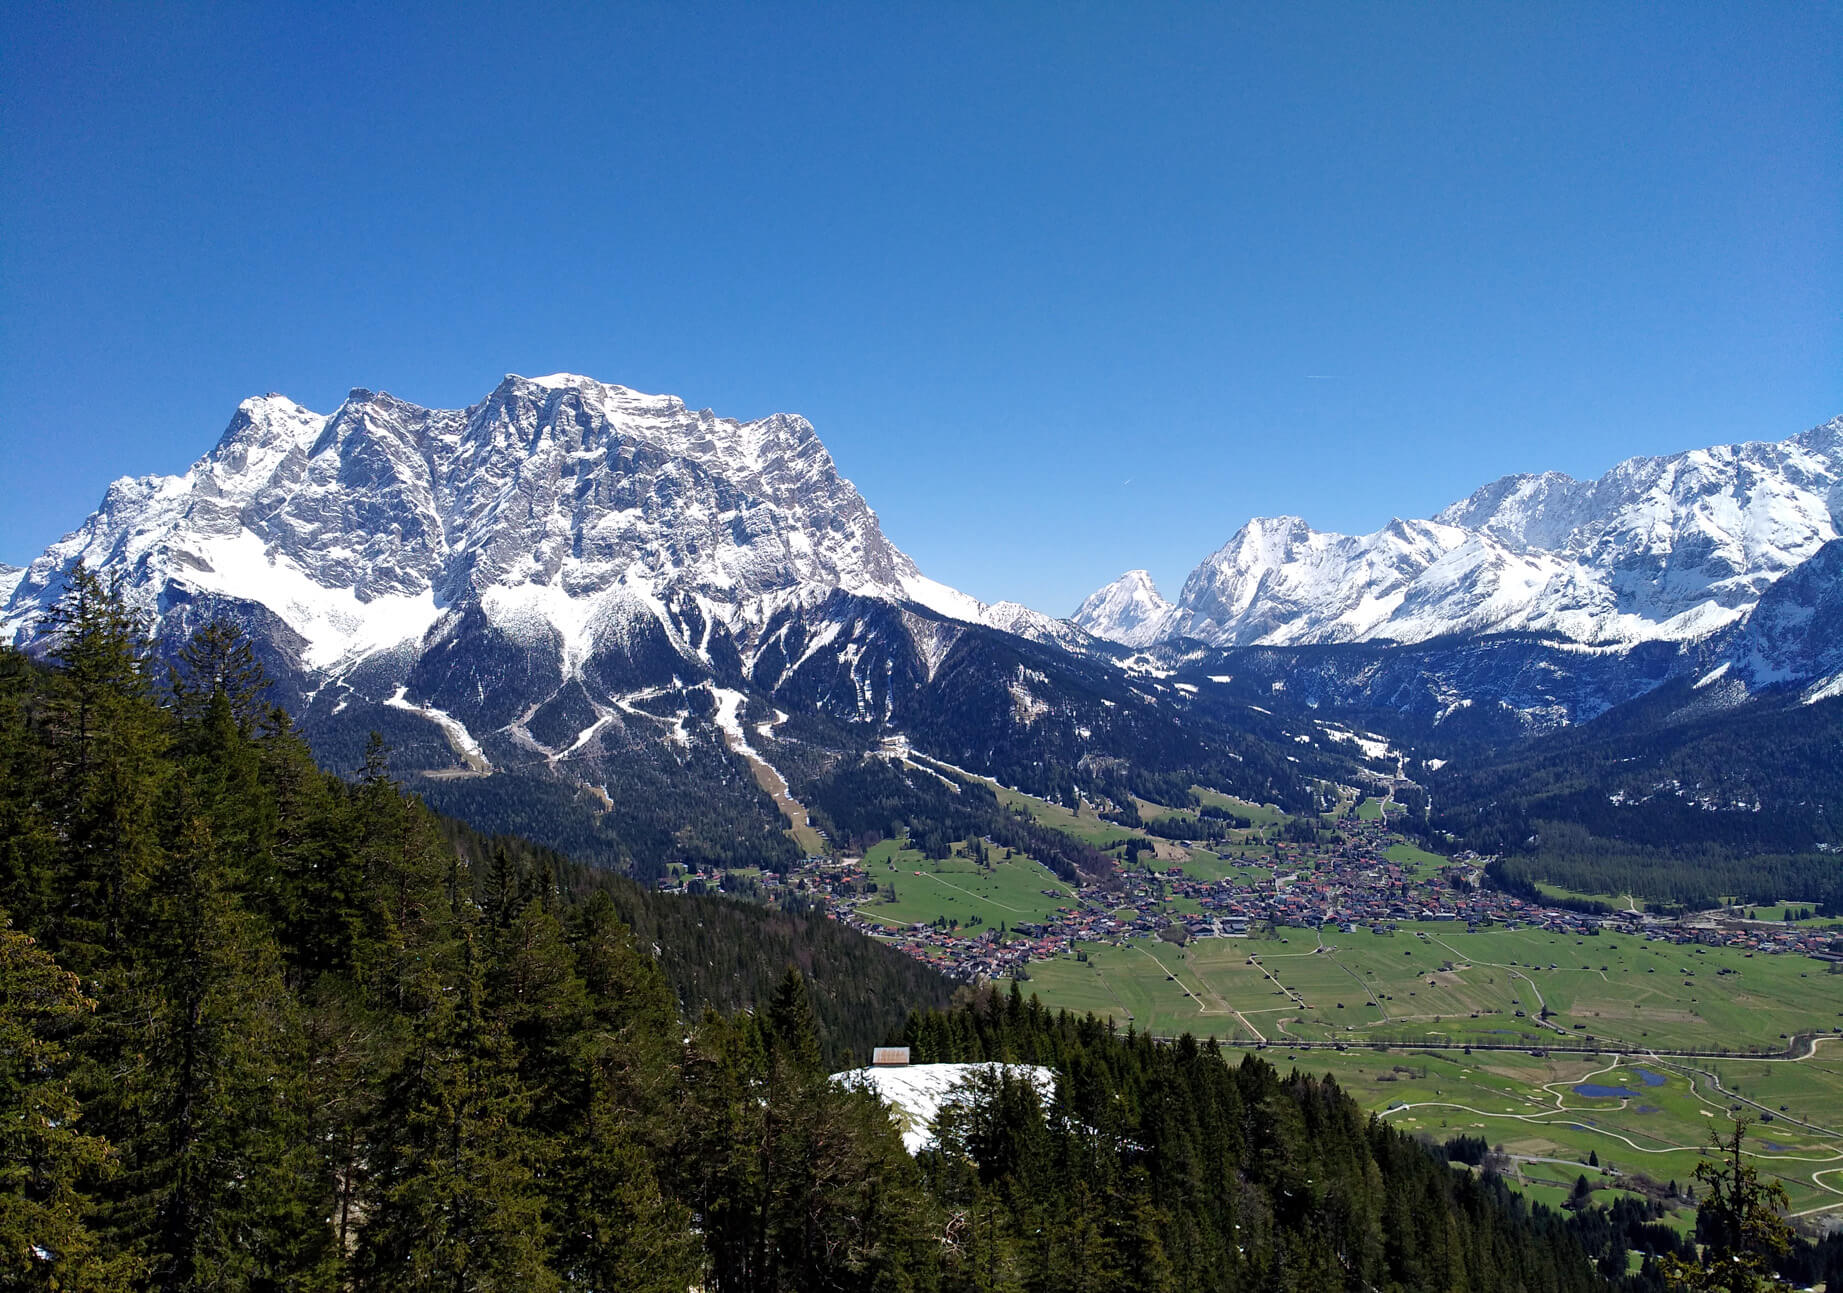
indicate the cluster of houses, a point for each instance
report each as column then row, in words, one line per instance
column 1351, row 886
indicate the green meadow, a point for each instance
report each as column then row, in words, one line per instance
column 1436, row 982
column 1646, row 1118
column 959, row 889
column 1432, row 983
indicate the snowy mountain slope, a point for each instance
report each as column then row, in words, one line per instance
column 1014, row 617
column 560, row 584
column 1795, row 633
column 1668, row 548
column 1129, row 611
column 559, row 605
column 559, row 505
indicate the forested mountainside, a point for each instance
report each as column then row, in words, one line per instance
column 572, row 604
column 265, row 1028
column 601, row 620
column 1674, row 801
column 725, row 953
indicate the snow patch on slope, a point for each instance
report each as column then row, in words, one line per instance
column 1828, row 689
column 916, row 1093
column 452, row 727
column 938, row 597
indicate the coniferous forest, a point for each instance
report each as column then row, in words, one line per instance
column 262, row 1027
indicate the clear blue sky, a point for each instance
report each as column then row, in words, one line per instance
column 1066, row 289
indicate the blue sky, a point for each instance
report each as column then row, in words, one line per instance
column 1066, row 289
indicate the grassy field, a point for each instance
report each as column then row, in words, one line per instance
column 1638, row 1114
column 1435, row 982
column 1430, row 982
column 1259, row 814
column 1414, row 859
column 959, row 889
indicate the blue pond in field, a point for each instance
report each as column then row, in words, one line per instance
column 1649, row 1078
column 1596, row 1091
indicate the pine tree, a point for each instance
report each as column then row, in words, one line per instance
column 107, row 741
column 218, row 661
column 457, row 1202
column 792, row 1025
column 32, row 874
column 220, row 1184
column 1739, row 1223
column 47, row 1165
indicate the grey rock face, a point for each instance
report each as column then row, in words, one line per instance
column 1796, row 631
column 559, row 500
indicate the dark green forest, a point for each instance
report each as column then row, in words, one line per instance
column 723, row 954
column 262, row 1027
column 863, row 800
column 1684, row 810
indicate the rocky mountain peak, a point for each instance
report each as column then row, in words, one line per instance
column 1129, row 610
column 1668, row 547
column 369, row 522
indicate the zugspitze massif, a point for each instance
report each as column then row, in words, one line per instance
column 557, row 508
column 572, row 588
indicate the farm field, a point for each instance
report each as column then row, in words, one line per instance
column 1417, row 860
column 1085, row 825
column 1646, row 1118
column 1259, row 814
column 960, row 889
column 1436, row 982
column 1638, row 1112
column 1202, row 864
column 1639, row 1116
column 1088, row 827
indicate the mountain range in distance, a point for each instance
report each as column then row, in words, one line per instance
column 572, row 603
column 1673, row 548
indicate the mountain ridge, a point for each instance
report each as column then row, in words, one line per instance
column 578, row 601
column 595, row 615
column 1673, row 547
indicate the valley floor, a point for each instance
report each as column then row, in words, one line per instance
column 1561, row 1038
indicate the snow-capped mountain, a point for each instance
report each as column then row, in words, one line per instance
column 604, row 618
column 1129, row 611
column 558, row 505
column 1667, row 548
column 1795, row 633
column 641, row 632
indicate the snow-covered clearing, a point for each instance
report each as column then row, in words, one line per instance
column 458, row 736
column 917, row 1092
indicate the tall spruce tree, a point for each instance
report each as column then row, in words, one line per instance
column 106, row 744
column 457, row 1204
column 47, row 1165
